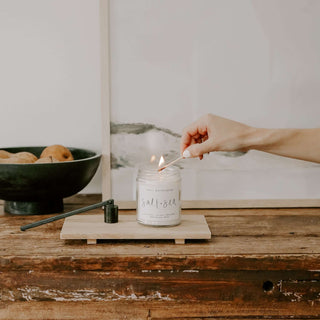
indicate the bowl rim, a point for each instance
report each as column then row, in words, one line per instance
column 96, row 155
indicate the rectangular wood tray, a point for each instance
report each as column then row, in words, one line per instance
column 93, row 228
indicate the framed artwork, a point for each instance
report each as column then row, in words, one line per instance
column 166, row 63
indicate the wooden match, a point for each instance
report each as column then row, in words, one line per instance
column 170, row 163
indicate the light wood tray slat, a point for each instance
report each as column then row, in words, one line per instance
column 93, row 228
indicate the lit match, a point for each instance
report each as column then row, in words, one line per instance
column 170, row 163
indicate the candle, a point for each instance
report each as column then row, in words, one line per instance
column 158, row 196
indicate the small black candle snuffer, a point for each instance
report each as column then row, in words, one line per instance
column 111, row 213
column 108, row 206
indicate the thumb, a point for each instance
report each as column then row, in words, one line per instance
column 198, row 149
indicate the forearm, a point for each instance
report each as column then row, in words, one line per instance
column 303, row 144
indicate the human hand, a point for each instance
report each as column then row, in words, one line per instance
column 214, row 133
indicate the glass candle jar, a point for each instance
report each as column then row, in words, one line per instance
column 158, row 196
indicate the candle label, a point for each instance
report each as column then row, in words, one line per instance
column 158, row 205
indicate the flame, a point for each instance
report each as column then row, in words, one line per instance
column 153, row 158
column 161, row 162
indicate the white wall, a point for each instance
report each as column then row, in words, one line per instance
column 182, row 56
column 256, row 61
column 50, row 75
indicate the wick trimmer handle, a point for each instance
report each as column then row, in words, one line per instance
column 67, row 214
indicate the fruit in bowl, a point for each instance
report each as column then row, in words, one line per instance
column 50, row 154
column 19, row 157
column 57, row 152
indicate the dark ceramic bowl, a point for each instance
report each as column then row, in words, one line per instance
column 39, row 188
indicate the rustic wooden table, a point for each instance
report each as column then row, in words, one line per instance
column 259, row 263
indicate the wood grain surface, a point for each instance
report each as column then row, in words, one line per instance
column 258, row 263
column 92, row 228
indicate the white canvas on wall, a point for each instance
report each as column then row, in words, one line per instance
column 172, row 61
